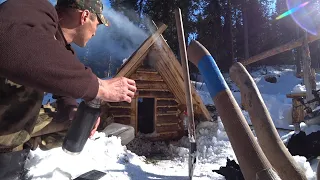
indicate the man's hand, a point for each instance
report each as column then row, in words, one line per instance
column 95, row 128
column 116, row 89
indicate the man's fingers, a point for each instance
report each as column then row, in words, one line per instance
column 95, row 127
column 128, row 99
column 132, row 88
column 130, row 94
column 131, row 82
column 97, row 124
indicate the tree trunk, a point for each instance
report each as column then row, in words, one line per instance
column 229, row 14
column 298, row 54
column 308, row 72
column 245, row 26
column 298, row 62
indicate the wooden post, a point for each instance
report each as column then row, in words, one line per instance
column 185, row 69
column 297, row 114
column 286, row 47
column 298, row 54
column 308, row 73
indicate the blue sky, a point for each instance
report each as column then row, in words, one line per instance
column 106, row 2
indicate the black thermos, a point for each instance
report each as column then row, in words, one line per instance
column 81, row 126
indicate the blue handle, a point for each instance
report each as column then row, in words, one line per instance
column 212, row 75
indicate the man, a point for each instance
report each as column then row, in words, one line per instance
column 36, row 57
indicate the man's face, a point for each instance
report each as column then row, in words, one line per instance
column 87, row 29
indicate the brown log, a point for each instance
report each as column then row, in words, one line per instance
column 167, row 99
column 145, row 77
column 174, row 135
column 308, row 73
column 165, row 103
column 119, row 104
column 146, row 72
column 151, row 85
column 119, row 111
column 134, row 114
column 161, row 54
column 186, row 79
column 123, row 120
column 135, row 60
column 286, row 47
column 164, row 110
column 268, row 137
column 296, row 95
column 145, row 68
column 155, row 94
column 167, row 114
column 168, row 128
column 121, row 116
column 167, row 119
column 156, row 90
column 167, row 124
column 297, row 111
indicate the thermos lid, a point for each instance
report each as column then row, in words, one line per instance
column 94, row 103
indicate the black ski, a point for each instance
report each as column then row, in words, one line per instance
column 91, row 175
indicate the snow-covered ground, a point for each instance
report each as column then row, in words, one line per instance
column 106, row 153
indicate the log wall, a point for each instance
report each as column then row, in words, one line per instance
column 166, row 117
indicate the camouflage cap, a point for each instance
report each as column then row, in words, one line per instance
column 94, row 6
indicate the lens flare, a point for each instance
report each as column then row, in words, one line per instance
column 305, row 14
column 292, row 10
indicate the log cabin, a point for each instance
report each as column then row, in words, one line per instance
column 160, row 100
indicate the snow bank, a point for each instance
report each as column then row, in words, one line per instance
column 107, row 154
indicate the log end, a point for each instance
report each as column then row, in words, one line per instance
column 196, row 52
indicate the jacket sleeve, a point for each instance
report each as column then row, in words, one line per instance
column 30, row 56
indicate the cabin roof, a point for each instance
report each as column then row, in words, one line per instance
column 156, row 49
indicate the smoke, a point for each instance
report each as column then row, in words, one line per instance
column 119, row 40
column 116, row 42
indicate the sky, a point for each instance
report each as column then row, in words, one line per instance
column 106, row 2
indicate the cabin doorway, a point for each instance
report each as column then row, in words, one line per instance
column 146, row 115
